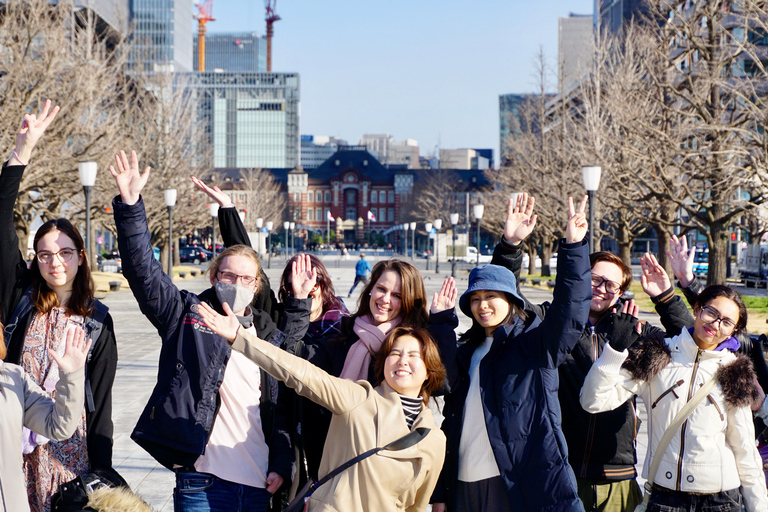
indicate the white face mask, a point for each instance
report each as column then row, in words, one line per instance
column 238, row 297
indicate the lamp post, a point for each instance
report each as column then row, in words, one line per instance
column 87, row 180
column 259, row 225
column 413, row 240
column 405, row 239
column 438, row 224
column 269, row 244
column 214, row 209
column 454, row 220
column 478, row 210
column 591, row 183
column 293, row 237
column 170, row 201
column 286, row 225
column 428, row 227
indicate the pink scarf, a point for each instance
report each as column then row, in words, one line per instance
column 371, row 337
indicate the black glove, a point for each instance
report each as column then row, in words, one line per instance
column 622, row 331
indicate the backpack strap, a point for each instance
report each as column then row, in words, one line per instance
column 94, row 325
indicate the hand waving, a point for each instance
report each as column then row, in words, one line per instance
column 224, row 326
column 654, row 279
column 623, row 329
column 445, row 299
column 520, row 219
column 213, row 192
column 32, row 128
column 682, row 260
column 75, row 351
column 129, row 181
column 577, row 225
column 303, row 276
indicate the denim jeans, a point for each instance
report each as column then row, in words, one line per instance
column 673, row 501
column 203, row 492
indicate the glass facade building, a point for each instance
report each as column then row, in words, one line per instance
column 251, row 119
column 163, row 34
column 233, row 52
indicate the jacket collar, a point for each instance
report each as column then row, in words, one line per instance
column 684, row 344
column 393, row 416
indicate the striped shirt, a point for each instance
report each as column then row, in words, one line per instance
column 411, row 408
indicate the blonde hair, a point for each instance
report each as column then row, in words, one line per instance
column 237, row 250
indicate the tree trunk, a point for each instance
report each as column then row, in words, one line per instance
column 546, row 255
column 718, row 253
column 164, row 255
column 625, row 244
column 530, row 249
column 176, row 256
column 663, row 236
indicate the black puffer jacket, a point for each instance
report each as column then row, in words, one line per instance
column 600, row 446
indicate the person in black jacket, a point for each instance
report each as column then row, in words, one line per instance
column 601, row 447
column 37, row 305
column 214, row 416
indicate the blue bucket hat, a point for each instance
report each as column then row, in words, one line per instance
column 490, row 277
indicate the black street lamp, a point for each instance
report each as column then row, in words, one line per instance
column 259, row 225
column 438, row 224
column 214, row 209
column 170, row 201
column 478, row 210
column 591, row 183
column 270, row 225
column 454, row 220
column 413, row 240
column 88, row 172
column 428, row 227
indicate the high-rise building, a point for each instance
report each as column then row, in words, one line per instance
column 464, row 159
column 391, row 152
column 242, row 51
column 574, row 51
column 612, row 15
column 316, row 149
column 163, row 34
column 509, row 120
column 252, row 119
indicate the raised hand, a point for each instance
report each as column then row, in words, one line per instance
column 445, row 299
column 520, row 219
column 75, row 351
column 31, row 129
column 127, row 177
column 654, row 279
column 213, row 192
column 303, row 276
column 682, row 260
column 224, row 326
column 623, row 329
column 577, row 225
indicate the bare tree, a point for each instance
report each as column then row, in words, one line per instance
column 436, row 194
column 264, row 197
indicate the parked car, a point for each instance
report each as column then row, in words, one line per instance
column 552, row 262
column 471, row 257
column 111, row 262
column 195, row 255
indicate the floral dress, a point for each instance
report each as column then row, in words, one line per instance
column 47, row 464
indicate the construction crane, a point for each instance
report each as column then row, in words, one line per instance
column 272, row 17
column 203, row 16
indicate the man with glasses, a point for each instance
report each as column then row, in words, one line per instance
column 601, row 447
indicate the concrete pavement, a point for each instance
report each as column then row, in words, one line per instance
column 139, row 348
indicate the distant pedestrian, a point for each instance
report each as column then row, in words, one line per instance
column 361, row 272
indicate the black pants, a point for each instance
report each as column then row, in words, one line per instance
column 489, row 495
column 358, row 279
column 663, row 500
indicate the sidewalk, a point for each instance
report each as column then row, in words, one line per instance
column 139, row 349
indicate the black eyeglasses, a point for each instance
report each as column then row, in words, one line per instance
column 610, row 286
column 64, row 255
column 710, row 315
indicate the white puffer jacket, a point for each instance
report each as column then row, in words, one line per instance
column 714, row 449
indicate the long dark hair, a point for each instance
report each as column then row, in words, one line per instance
column 81, row 300
column 413, row 302
column 327, row 291
column 476, row 334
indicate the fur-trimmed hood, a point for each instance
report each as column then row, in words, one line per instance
column 116, row 499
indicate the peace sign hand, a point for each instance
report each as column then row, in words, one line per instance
column 520, row 219
column 31, row 129
column 577, row 225
column 127, row 177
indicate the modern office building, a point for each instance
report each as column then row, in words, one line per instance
column 464, row 159
column 613, row 14
column 163, row 34
column 252, row 119
column 509, row 120
column 233, row 52
column 574, row 50
column 391, row 152
column 316, row 149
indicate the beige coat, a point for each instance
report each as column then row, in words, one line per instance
column 23, row 403
column 363, row 418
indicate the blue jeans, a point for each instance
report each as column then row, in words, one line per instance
column 674, row 501
column 203, row 492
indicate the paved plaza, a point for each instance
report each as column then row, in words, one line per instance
column 139, row 349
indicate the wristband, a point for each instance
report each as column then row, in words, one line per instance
column 664, row 296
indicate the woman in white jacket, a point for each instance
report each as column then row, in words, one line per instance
column 713, row 452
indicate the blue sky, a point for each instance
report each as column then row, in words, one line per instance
column 430, row 70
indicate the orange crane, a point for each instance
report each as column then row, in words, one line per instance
column 271, row 18
column 204, row 15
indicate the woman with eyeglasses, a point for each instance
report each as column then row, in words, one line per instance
column 39, row 305
column 712, row 454
column 213, row 416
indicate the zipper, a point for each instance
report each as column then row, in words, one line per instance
column 685, row 423
column 712, row 401
column 670, row 390
column 591, row 426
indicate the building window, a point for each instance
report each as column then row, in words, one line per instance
column 391, row 196
column 319, row 214
column 327, row 196
column 374, row 197
column 391, row 215
column 310, row 214
column 296, row 197
column 311, row 197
